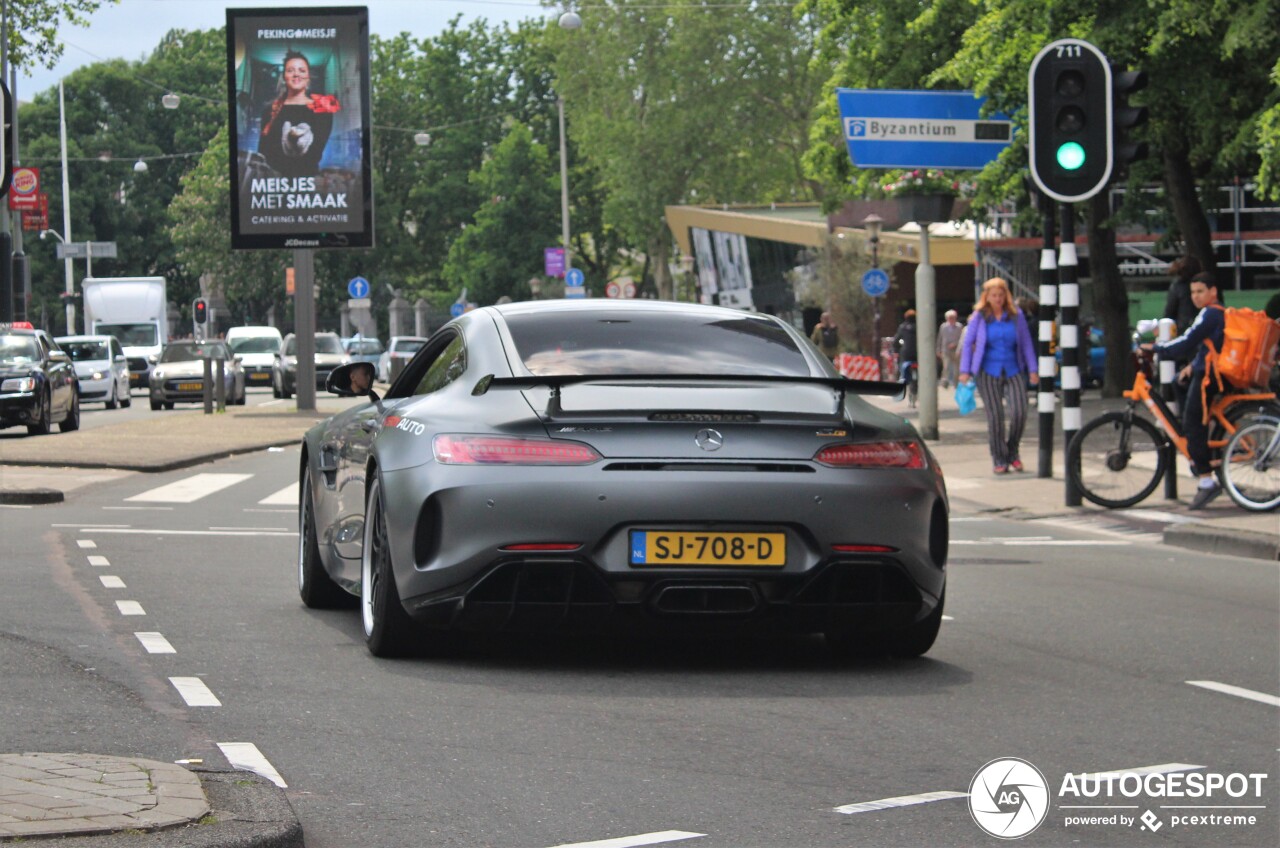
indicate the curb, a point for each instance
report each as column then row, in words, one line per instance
column 27, row 497
column 1241, row 543
column 149, row 468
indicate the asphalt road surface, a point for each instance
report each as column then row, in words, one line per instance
column 158, row 615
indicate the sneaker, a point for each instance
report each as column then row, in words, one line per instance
column 1016, row 465
column 1002, row 469
column 1204, row 496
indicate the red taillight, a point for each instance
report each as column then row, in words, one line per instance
column 501, row 450
column 863, row 549
column 872, row 455
column 543, row 546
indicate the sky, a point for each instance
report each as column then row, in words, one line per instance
column 131, row 29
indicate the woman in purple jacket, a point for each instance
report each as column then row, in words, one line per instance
column 998, row 350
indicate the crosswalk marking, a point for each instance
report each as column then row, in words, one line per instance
column 1238, row 691
column 190, row 489
column 86, row 543
column 99, row 561
column 130, row 608
column 899, row 801
column 110, row 581
column 155, row 643
column 194, row 692
column 247, row 757
column 288, row 496
column 637, row 840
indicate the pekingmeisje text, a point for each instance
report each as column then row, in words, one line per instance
column 292, row 193
column 317, row 32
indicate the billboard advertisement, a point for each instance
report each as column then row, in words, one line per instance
column 299, row 115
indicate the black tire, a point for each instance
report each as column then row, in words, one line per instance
column 1236, row 413
column 128, row 400
column 914, row 640
column 1100, row 459
column 275, row 390
column 1251, row 466
column 44, row 425
column 168, row 404
column 388, row 629
column 113, row 402
column 285, row 391
column 72, row 421
column 155, row 405
column 316, row 587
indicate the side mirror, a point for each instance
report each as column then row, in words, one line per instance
column 354, row 379
column 153, row 359
column 121, row 358
column 59, row 356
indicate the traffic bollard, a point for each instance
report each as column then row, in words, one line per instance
column 221, row 385
column 208, row 386
column 1165, row 331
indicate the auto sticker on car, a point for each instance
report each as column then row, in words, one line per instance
column 405, row 425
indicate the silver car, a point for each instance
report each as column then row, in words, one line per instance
column 178, row 376
column 562, row 465
column 101, row 365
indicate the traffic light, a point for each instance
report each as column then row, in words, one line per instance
column 200, row 310
column 1125, row 117
column 1069, row 89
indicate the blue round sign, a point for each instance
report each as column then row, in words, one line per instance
column 575, row 277
column 457, row 309
column 358, row 288
column 875, row 282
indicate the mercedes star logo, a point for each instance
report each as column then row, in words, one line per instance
column 708, row 439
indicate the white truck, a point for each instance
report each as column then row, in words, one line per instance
column 135, row 311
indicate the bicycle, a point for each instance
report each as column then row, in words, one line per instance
column 1117, row 459
column 1251, row 464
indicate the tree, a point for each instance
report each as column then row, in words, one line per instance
column 495, row 255
column 34, row 27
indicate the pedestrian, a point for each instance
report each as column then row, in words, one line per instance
column 997, row 350
column 1179, row 306
column 1207, row 326
column 826, row 336
column 904, row 342
column 949, row 347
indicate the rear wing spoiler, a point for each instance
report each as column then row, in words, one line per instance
column 842, row 385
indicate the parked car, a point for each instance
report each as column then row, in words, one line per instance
column 400, row 348
column 38, row 383
column 646, row 465
column 178, row 377
column 363, row 349
column 284, row 370
column 257, row 348
column 1094, row 366
column 101, row 367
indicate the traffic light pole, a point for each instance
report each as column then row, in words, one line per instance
column 1068, row 337
column 1045, row 399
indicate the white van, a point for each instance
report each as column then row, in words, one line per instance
column 257, row 348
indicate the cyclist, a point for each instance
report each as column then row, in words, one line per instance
column 904, row 341
column 1207, row 326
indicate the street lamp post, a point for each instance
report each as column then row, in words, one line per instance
column 66, row 211
column 568, row 21
column 872, row 224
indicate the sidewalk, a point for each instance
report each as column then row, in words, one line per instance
column 961, row 449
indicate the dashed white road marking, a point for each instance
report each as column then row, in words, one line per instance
column 190, row 489
column 247, row 757
column 194, row 692
column 130, row 608
column 957, row 485
column 259, row 529
column 947, row 618
column 86, row 543
column 111, row 581
column 17, row 506
column 1239, row 692
column 1056, row 543
column 966, row 519
column 272, row 511
column 272, row 403
column 639, row 839
column 900, row 801
column 99, row 561
column 141, row 508
column 88, row 525
column 140, row 532
column 155, row 643
column 288, row 496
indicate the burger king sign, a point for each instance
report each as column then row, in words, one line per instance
column 24, row 191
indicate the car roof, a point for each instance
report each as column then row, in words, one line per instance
column 84, row 338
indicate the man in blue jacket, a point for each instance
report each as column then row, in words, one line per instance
column 1208, row 326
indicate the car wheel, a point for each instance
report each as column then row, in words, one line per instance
column 155, row 405
column 72, row 421
column 388, row 630
column 850, row 641
column 275, row 390
column 127, row 400
column 168, row 404
column 285, row 391
column 918, row 638
column 43, row 425
column 113, row 402
column 316, row 587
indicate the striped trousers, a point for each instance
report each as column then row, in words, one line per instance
column 1004, row 427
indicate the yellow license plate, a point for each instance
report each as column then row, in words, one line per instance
column 190, row 387
column 259, row 376
column 665, row 547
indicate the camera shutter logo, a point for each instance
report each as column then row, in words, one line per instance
column 1009, row 798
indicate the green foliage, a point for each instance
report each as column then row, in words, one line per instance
column 34, row 27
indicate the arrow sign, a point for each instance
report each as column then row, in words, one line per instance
column 358, row 288
column 574, row 277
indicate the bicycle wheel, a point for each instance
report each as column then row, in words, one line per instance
column 1117, row 459
column 1251, row 465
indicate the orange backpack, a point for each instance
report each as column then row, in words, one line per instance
column 1249, row 345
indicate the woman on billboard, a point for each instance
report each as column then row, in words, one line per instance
column 297, row 124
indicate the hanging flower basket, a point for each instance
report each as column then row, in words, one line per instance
column 925, row 208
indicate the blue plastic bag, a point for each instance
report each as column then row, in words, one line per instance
column 965, row 400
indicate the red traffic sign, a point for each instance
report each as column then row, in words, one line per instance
column 613, row 289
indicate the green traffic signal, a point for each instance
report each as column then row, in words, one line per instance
column 1071, row 156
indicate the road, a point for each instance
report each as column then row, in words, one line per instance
column 97, row 415
column 1067, row 645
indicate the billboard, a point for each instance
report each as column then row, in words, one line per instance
column 299, row 116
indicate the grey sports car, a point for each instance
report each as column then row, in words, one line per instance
column 577, row 465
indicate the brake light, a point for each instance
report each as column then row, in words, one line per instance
column 542, row 546
column 863, row 549
column 872, row 455
column 502, row 450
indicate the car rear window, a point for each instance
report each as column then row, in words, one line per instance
column 654, row 342
column 254, row 344
column 412, row 346
column 86, row 351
